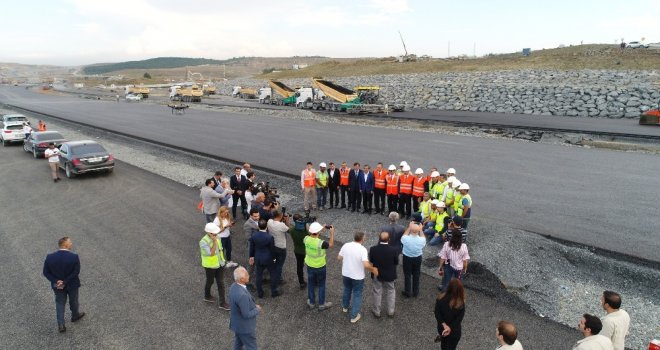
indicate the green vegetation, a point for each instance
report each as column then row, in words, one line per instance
column 146, row 75
column 152, row 63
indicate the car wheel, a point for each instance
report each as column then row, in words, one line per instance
column 25, row 147
column 69, row 172
column 34, row 153
column 4, row 143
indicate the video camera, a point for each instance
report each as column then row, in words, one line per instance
column 269, row 192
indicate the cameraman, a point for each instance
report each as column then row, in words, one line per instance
column 278, row 226
column 298, row 233
column 266, row 210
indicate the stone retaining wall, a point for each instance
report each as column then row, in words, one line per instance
column 585, row 93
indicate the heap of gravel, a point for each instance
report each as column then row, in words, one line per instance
column 520, row 268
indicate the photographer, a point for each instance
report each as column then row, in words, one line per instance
column 266, row 211
column 298, row 233
column 278, row 226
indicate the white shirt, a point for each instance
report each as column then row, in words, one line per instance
column 353, row 254
column 55, row 158
column 224, row 233
column 615, row 327
column 514, row 346
column 594, row 342
column 278, row 229
column 27, row 129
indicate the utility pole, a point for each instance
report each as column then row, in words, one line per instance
column 474, row 50
column 448, row 48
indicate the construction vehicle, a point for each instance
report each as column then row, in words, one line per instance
column 191, row 93
column 208, row 89
column 244, row 92
column 362, row 100
column 137, row 90
column 287, row 95
column 650, row 117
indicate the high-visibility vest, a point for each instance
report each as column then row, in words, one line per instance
column 430, row 184
column 215, row 261
column 425, row 208
column 457, row 200
column 343, row 177
column 379, row 179
column 418, row 186
column 433, row 215
column 309, row 178
column 436, row 190
column 459, row 211
column 440, row 221
column 449, row 200
column 392, row 184
column 322, row 176
column 406, row 186
column 314, row 254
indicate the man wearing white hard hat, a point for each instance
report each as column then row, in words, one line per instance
column 322, row 180
column 315, row 252
column 213, row 262
column 451, row 172
column 419, row 185
column 448, row 193
column 400, row 171
column 454, row 196
column 464, row 208
column 405, row 191
column 392, row 185
column 432, row 181
column 438, row 231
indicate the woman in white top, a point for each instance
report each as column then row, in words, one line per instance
column 27, row 129
column 53, row 156
column 454, row 259
column 225, row 222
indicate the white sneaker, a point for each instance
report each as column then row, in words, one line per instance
column 231, row 264
column 357, row 318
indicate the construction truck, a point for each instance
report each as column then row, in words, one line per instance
column 192, row 93
column 280, row 94
column 137, row 90
column 208, row 89
column 244, row 92
column 333, row 97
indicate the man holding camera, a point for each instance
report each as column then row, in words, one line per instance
column 298, row 233
column 278, row 227
column 315, row 251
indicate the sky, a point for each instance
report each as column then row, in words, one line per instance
column 79, row 32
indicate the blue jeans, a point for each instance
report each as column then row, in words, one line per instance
column 321, row 195
column 354, row 287
column 449, row 274
column 316, row 277
column 259, row 276
column 280, row 256
column 60, row 303
column 247, row 341
column 436, row 240
column 209, row 217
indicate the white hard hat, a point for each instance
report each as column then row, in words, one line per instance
column 441, row 204
column 435, row 174
column 464, row 187
column 451, row 179
column 451, row 171
column 315, row 227
column 322, row 165
column 456, row 183
column 406, row 167
column 435, row 202
column 419, row 171
column 403, row 162
column 391, row 167
column 212, row 228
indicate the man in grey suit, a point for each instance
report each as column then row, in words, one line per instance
column 243, row 315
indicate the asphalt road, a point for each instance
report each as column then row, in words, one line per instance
column 589, row 196
column 137, row 233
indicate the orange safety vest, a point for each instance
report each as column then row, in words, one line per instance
column 406, row 184
column 392, row 184
column 310, row 178
column 418, row 186
column 379, row 179
column 42, row 127
column 343, row 177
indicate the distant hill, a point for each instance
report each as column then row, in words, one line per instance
column 152, row 63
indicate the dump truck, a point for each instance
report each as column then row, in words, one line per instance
column 335, row 97
column 244, row 92
column 137, row 90
column 285, row 95
column 192, row 93
column 208, row 89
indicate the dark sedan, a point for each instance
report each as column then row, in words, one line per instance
column 80, row 157
column 37, row 142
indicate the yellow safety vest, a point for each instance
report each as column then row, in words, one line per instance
column 323, row 179
column 457, row 201
column 215, row 261
column 440, row 221
column 314, row 254
column 459, row 210
column 450, row 198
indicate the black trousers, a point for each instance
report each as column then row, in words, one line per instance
column 300, row 267
column 344, row 189
column 217, row 275
column 259, row 276
column 415, row 203
column 355, row 197
column 366, row 201
column 404, row 204
column 392, row 202
column 379, row 199
column 450, row 342
column 411, row 270
column 236, row 197
column 334, row 196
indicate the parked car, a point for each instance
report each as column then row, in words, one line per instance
column 133, row 97
column 80, row 157
column 653, row 45
column 637, row 45
column 14, row 118
column 12, row 132
column 38, row 141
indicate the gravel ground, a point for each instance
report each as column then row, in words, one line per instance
column 520, row 268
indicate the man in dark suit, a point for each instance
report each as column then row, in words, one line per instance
column 238, row 183
column 61, row 268
column 262, row 244
column 385, row 258
column 354, row 187
column 217, row 179
column 334, row 179
column 366, row 183
column 243, row 315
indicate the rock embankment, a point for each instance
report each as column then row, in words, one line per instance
column 584, row 93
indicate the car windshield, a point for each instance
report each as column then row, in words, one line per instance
column 89, row 148
column 15, row 118
column 14, row 127
column 48, row 137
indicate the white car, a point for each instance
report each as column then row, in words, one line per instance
column 12, row 132
column 133, row 97
column 653, row 45
column 14, row 118
column 637, row 45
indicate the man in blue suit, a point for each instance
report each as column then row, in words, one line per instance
column 366, row 183
column 262, row 244
column 354, row 188
column 243, row 315
column 61, row 269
